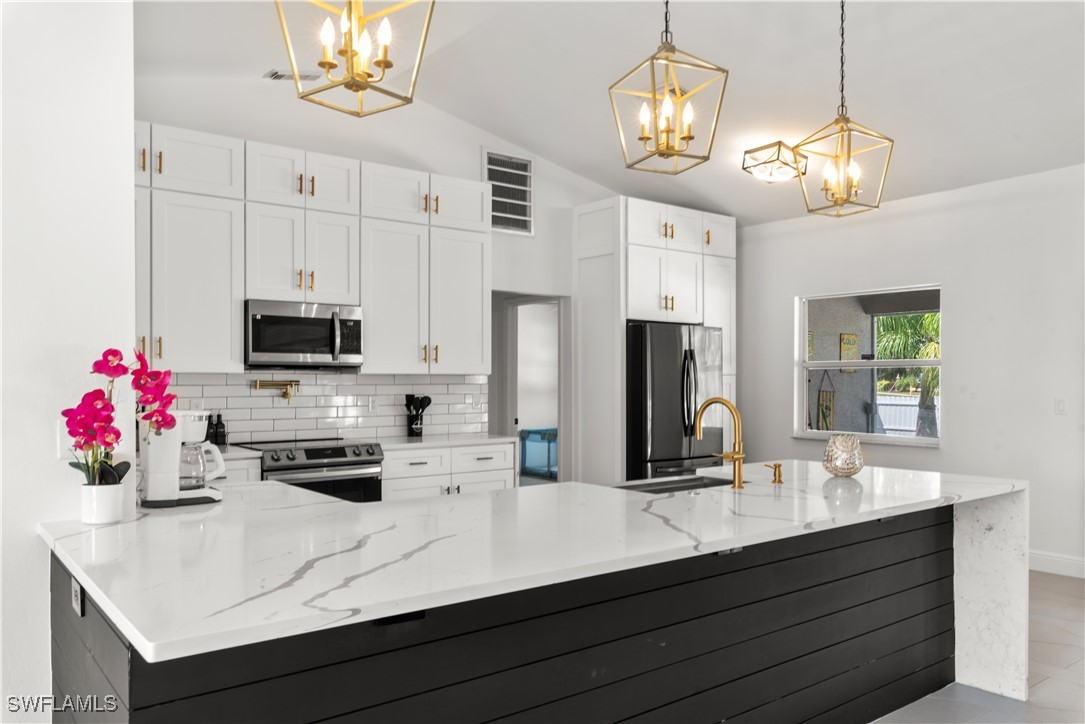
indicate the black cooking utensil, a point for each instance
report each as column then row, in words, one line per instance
column 410, row 403
column 424, row 402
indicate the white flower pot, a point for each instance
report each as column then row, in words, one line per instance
column 102, row 504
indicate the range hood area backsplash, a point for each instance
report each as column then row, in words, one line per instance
column 334, row 404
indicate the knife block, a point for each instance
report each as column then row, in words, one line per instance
column 414, row 425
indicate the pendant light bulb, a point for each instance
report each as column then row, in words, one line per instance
column 829, row 174
column 344, row 25
column 687, row 114
column 327, row 33
column 364, row 46
column 645, row 115
column 854, row 171
column 384, row 33
column 668, row 107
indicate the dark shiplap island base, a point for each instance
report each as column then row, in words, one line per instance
column 838, row 626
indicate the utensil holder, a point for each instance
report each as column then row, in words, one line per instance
column 414, row 425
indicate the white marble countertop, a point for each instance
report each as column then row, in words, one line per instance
column 272, row 560
column 432, row 441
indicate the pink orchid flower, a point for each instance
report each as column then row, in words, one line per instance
column 85, row 442
column 159, row 419
column 108, row 437
column 111, row 364
column 140, row 373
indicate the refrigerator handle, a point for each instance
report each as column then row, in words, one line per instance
column 693, row 404
column 687, row 388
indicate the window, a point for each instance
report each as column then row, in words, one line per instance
column 511, row 180
column 870, row 364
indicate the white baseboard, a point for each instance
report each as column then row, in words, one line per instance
column 1057, row 563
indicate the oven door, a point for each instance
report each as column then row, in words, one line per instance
column 358, row 484
column 288, row 334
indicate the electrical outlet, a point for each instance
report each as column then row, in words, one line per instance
column 63, row 441
column 77, row 598
column 372, row 406
column 1060, row 405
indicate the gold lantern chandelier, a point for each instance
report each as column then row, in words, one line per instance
column 655, row 105
column 354, row 77
column 844, row 189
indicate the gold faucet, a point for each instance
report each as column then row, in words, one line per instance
column 736, row 456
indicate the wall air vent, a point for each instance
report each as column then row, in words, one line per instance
column 276, row 74
column 511, row 179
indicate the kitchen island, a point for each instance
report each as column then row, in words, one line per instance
column 834, row 597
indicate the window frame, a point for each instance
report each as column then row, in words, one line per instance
column 803, row 367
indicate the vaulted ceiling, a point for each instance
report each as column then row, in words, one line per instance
column 971, row 92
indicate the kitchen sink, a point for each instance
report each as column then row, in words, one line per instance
column 676, row 485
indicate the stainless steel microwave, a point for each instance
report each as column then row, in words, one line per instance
column 296, row 334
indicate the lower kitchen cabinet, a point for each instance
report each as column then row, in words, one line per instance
column 426, row 472
column 480, row 482
column 197, row 282
column 429, row 486
column 240, row 471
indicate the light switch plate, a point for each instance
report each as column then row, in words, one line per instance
column 77, row 598
column 1060, row 406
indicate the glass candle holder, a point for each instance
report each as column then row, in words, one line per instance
column 843, row 455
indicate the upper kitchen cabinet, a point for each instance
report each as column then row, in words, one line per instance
column 397, row 194
column 143, row 268
column 293, row 177
column 333, row 183
column 460, row 290
column 457, row 203
column 293, row 255
column 667, row 227
column 719, row 235
column 664, row 285
column 197, row 282
column 199, row 163
column 395, row 296
column 332, row 254
column 719, row 304
column 143, row 153
column 417, row 197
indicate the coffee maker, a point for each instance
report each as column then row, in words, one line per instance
column 174, row 464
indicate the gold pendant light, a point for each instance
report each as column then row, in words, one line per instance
column 849, row 161
column 657, row 104
column 364, row 86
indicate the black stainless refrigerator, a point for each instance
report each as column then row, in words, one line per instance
column 670, row 370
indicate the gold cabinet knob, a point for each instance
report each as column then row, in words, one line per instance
column 777, row 472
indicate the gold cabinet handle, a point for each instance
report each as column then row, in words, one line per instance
column 301, row 184
column 159, row 163
column 159, row 348
column 664, row 302
column 425, row 353
column 312, row 185
column 143, row 159
column 425, row 204
column 664, row 229
column 436, row 204
column 301, row 273
column 436, row 353
column 143, row 345
column 672, row 231
column 708, row 237
column 312, row 281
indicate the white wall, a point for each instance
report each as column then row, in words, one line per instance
column 537, row 365
column 419, row 136
column 68, row 270
column 1009, row 258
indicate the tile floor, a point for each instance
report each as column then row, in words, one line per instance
column 1056, row 673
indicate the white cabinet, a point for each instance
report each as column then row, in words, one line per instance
column 429, row 472
column 197, row 282
column 240, row 471
column 459, row 203
column 292, row 255
column 274, row 174
column 274, row 252
column 460, row 290
column 397, row 194
column 332, row 265
column 650, row 223
column 334, row 183
column 143, row 268
column 430, row 486
column 143, row 153
column 719, row 235
column 395, row 297
column 293, row 177
column 685, row 286
column 664, row 285
column 719, row 304
column 199, row 163
column 400, row 194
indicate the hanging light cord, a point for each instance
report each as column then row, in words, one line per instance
column 843, row 109
column 665, row 37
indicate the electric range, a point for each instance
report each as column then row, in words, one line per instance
column 346, row 469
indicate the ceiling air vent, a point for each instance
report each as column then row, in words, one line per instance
column 276, row 74
column 512, row 202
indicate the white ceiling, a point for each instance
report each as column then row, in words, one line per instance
column 971, row 92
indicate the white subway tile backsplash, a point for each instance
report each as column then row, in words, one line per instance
column 331, row 404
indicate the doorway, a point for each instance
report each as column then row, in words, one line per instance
column 526, row 385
